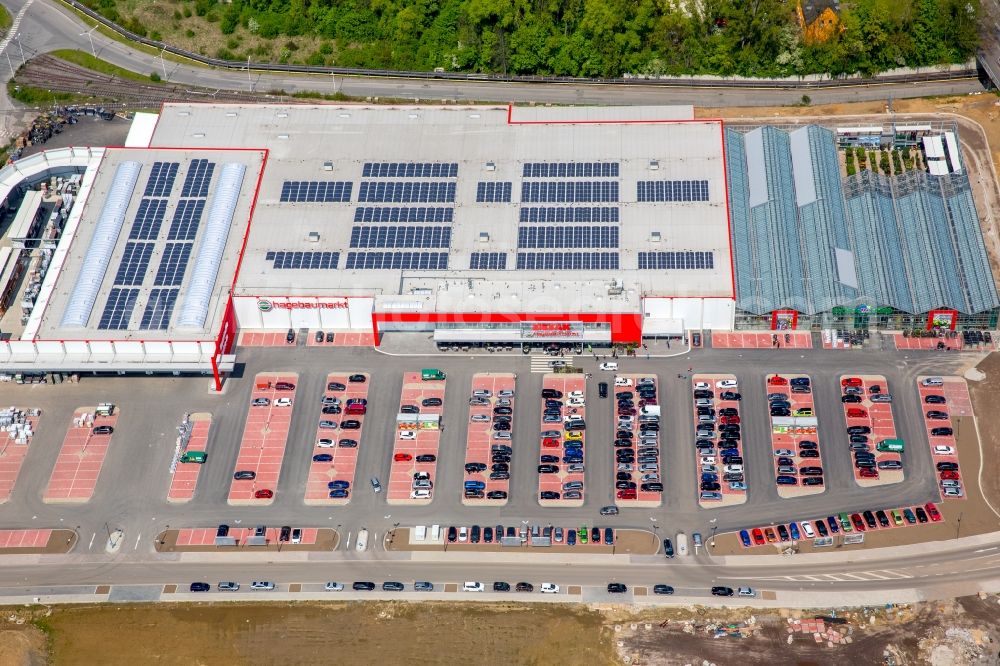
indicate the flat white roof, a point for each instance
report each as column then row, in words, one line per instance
column 488, row 144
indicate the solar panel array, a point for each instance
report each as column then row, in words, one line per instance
column 488, row 261
column 406, row 192
column 401, row 215
column 187, row 217
column 173, row 265
column 410, row 170
column 567, row 260
column 159, row 308
column 303, row 260
column 494, row 191
column 569, row 191
column 397, row 260
column 570, row 170
column 586, row 237
column 198, row 177
column 134, row 262
column 672, row 190
column 147, row 221
column 316, row 191
column 161, row 179
column 118, row 309
column 401, row 237
column 566, row 214
column 675, row 260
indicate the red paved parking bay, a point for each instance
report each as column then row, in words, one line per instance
column 342, row 444
column 80, row 458
column 264, row 438
column 417, row 434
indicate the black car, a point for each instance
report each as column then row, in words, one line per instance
column 102, row 430
column 348, row 443
column 551, row 393
column 786, row 480
column 811, row 471
column 350, row 424
column 850, row 398
column 475, row 467
column 426, row 458
column 730, row 395
column 936, row 415
column 501, row 426
column 409, row 409
column 947, row 467
column 809, row 453
column 617, row 588
column 200, row 587
column 719, row 591
column 662, row 589
column 392, row 586
column 548, row 459
column 431, row 402
column 869, row 519
column 548, row 495
column 290, row 336
column 890, row 464
column 357, row 379
column 625, row 485
column 921, row 515
column 319, row 336
column 336, row 386
column 245, row 475
column 548, row 469
column 806, row 444
column 935, row 399
column 652, row 487
column 500, row 586
column 365, row 585
column 942, row 432
column 710, row 486
column 496, row 495
column 499, row 476
column 331, row 409
column 883, row 519
column 701, row 393
column 858, row 439
column 222, row 531
column 474, row 534
column 525, row 587
column 668, row 548
column 781, row 412
column 602, row 389
column 812, row 481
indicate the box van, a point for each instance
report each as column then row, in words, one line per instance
column 896, row 445
column 362, row 543
column 431, row 374
column 194, row 457
column 682, row 543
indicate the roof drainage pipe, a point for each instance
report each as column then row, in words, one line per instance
column 197, row 298
column 102, row 246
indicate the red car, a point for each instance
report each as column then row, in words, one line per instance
column 264, row 493
column 954, row 476
column 777, row 381
column 851, row 381
column 858, row 522
column 402, row 457
column 933, row 512
column 628, row 493
column 730, row 420
column 856, row 413
column 550, row 442
column 758, row 537
column 626, row 411
column 866, row 473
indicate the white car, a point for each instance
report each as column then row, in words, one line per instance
column 577, row 402
column 807, row 529
column 261, row 585
column 623, row 381
column 726, row 384
column 463, row 534
column 701, row 386
column 505, row 393
column 326, row 444
column 473, row 586
column 334, row 587
column 576, row 394
column 420, row 494
column 480, row 418
column 283, row 402
column 746, row 592
column 407, row 435
column 732, row 469
column 608, row 366
column 944, row 450
column 707, row 460
column 783, row 452
column 550, row 588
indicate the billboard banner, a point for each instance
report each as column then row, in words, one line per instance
column 556, row 330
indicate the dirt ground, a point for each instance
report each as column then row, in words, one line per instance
column 986, row 403
column 960, row 633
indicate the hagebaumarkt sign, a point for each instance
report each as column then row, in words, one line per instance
column 266, row 305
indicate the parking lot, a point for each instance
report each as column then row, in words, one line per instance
column 412, row 477
column 560, row 470
column 487, row 463
column 871, row 420
column 944, row 397
column 639, row 470
column 721, row 471
column 15, row 447
column 334, row 456
column 269, row 417
column 81, row 457
column 794, row 435
column 184, row 480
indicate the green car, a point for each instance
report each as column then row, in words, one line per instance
column 897, row 517
column 198, row 457
column 582, row 534
column 845, row 522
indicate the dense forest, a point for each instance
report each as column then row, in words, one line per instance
column 591, row 38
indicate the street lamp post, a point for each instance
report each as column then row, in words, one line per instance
column 715, row 527
column 163, row 65
column 90, row 33
column 17, row 38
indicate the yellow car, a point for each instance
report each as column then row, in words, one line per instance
column 574, row 434
column 805, row 411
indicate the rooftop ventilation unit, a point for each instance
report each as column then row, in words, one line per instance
column 491, row 166
column 313, row 237
column 654, row 165
column 484, row 237
column 328, row 166
column 615, row 288
column 655, row 237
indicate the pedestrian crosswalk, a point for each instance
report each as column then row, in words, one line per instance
column 544, row 363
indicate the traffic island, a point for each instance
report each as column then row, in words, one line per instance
column 243, row 540
column 37, row 542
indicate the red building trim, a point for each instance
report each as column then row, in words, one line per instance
column 777, row 313
column 625, row 326
column 950, row 314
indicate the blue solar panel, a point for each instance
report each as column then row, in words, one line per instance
column 187, row 217
column 570, row 170
column 567, row 261
column 198, row 177
column 676, row 260
column 401, row 237
column 303, row 260
column 161, row 179
column 569, row 236
column 149, row 217
column 118, row 309
column 403, row 215
column 134, row 262
column 316, row 191
column 159, row 308
column 173, row 265
column 488, row 261
column 493, row 191
column 397, row 260
column 407, row 192
column 672, row 190
column 410, row 170
column 549, row 214
column 569, row 191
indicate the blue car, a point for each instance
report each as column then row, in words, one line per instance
column 745, row 538
column 571, row 538
column 609, row 536
column 832, row 522
column 338, row 493
column 708, row 477
column 793, row 529
column 786, row 481
column 200, row 587
column 339, row 483
column 475, row 485
column 322, row 457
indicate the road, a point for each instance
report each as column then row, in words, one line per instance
column 130, row 492
column 48, row 25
